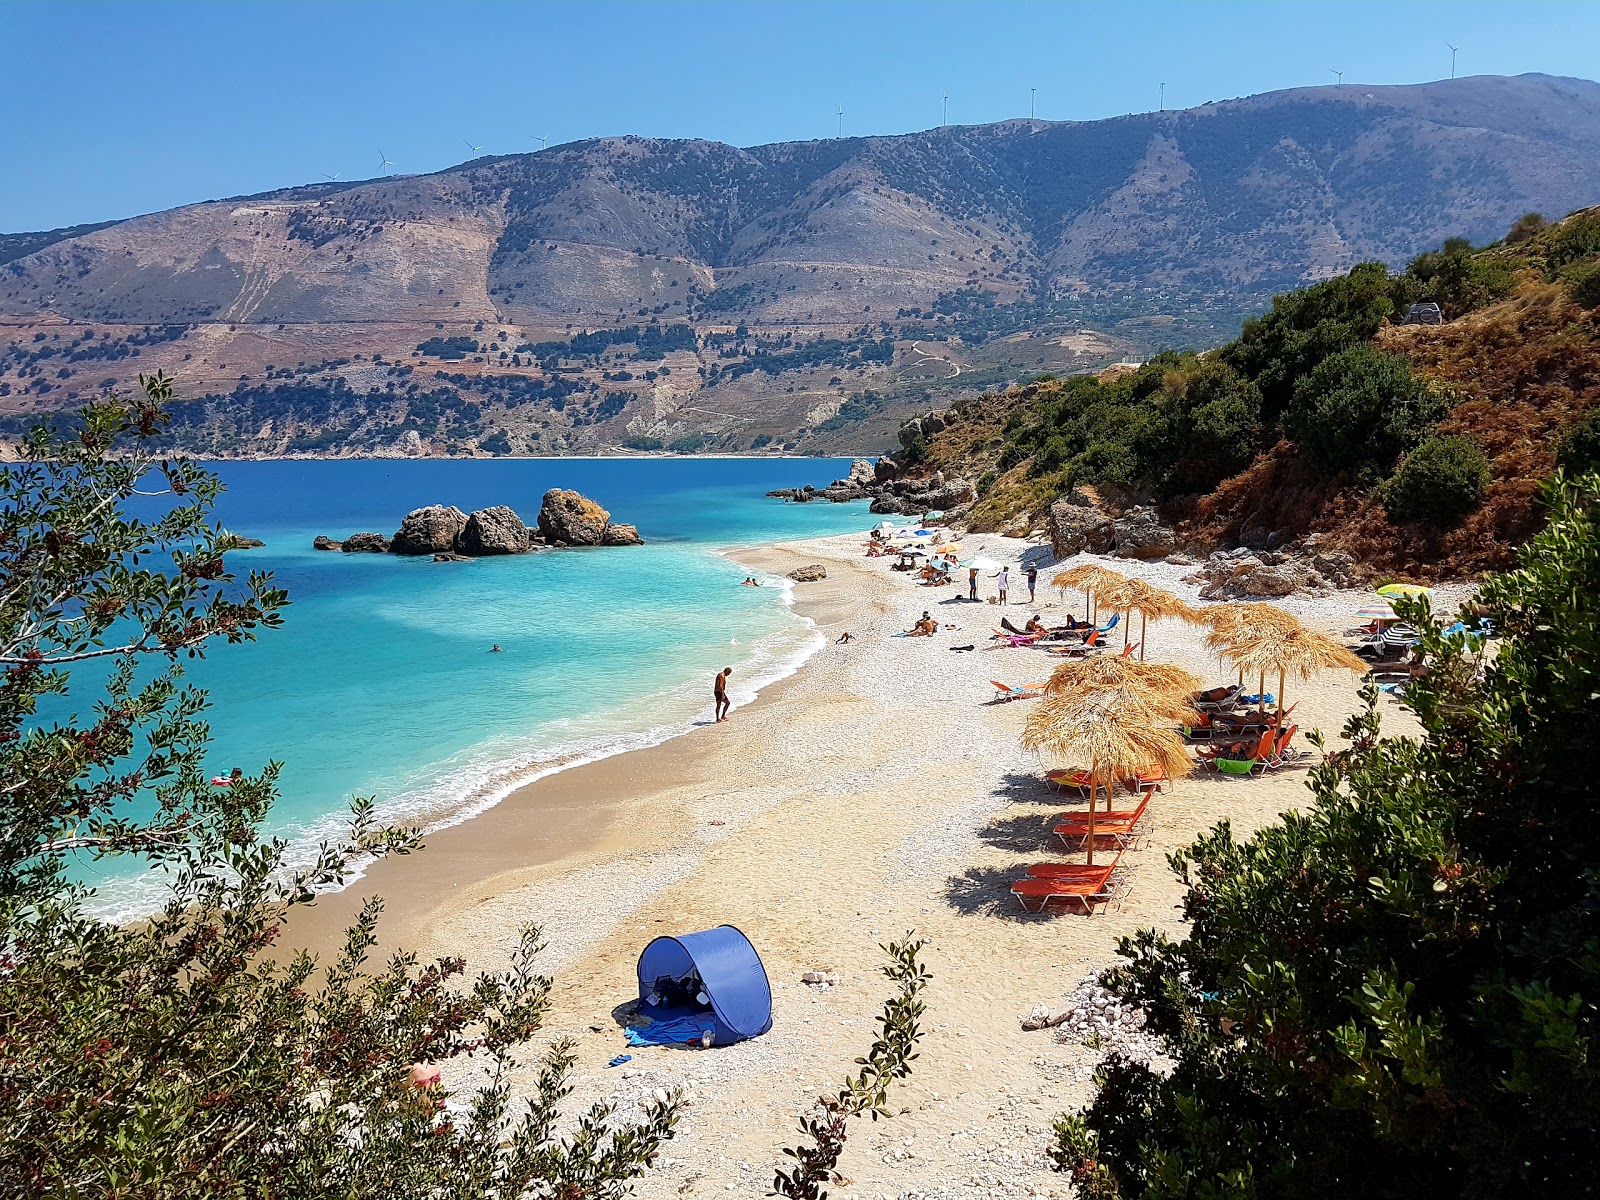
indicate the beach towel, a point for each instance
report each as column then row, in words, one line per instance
column 670, row 1033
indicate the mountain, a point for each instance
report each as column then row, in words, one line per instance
column 802, row 294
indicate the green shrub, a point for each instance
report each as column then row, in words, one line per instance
column 1579, row 448
column 1441, row 481
column 1584, row 286
column 1392, row 990
column 1574, row 239
column 1359, row 407
column 985, row 482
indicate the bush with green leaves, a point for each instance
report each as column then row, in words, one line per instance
column 1395, row 990
column 1458, row 279
column 1578, row 451
column 1441, row 481
column 189, row 1055
column 1361, row 407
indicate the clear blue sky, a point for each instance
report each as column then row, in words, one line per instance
column 112, row 109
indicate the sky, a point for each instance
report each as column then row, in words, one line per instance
column 117, row 107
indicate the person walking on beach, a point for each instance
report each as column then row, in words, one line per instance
column 720, row 690
column 1033, row 580
column 972, row 584
column 1004, row 576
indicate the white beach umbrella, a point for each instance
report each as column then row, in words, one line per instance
column 982, row 563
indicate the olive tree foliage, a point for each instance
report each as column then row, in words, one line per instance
column 188, row 1054
column 1396, row 991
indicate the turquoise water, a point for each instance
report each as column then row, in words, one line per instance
column 381, row 682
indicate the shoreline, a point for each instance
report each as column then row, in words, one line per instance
column 551, row 818
column 878, row 789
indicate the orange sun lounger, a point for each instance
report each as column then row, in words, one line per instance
column 1067, row 881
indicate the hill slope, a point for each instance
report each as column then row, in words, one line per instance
column 1153, row 227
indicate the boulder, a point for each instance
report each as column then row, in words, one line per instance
column 430, row 530
column 809, row 574
column 323, row 542
column 450, row 556
column 861, row 473
column 1140, row 533
column 495, row 530
column 234, row 541
column 569, row 519
column 1270, row 581
column 889, row 503
column 1075, row 529
column 365, row 543
column 885, row 469
column 621, row 535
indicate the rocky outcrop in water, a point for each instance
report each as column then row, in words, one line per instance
column 621, row 535
column 496, row 530
column 430, row 530
column 365, row 543
column 567, row 518
column 323, row 542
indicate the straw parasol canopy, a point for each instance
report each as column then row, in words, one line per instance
column 1088, row 578
column 1118, row 731
column 1235, row 620
column 1100, row 674
column 1274, row 646
column 1153, row 602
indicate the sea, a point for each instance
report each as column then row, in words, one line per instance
column 382, row 682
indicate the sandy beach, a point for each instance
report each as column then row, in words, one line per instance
column 876, row 791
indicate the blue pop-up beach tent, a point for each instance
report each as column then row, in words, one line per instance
column 719, row 964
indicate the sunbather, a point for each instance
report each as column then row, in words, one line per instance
column 926, row 627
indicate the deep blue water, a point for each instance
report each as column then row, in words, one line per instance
column 381, row 682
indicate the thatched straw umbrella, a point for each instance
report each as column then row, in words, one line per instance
column 1296, row 650
column 1118, row 731
column 1239, row 622
column 1120, row 596
column 1087, row 577
column 1099, row 674
column 1153, row 602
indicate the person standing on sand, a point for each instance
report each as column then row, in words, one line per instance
column 1004, row 576
column 972, row 584
column 720, row 691
column 1033, row 580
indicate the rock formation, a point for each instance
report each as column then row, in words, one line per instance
column 1232, row 574
column 621, row 535
column 365, row 543
column 324, row 542
column 569, row 519
column 1076, row 526
column 1140, row 533
column 430, row 530
column 809, row 574
column 495, row 530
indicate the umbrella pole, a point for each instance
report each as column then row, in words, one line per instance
column 1127, row 627
column 1143, row 625
column 1094, row 786
column 1281, row 671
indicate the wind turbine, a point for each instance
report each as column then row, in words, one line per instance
column 947, row 110
column 1032, row 92
column 1338, row 75
column 841, row 120
column 471, row 147
column 332, row 178
column 383, row 161
column 1161, row 104
column 534, row 137
column 1453, row 50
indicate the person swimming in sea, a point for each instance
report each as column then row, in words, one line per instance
column 495, row 649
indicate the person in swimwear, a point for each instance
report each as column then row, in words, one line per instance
column 719, row 691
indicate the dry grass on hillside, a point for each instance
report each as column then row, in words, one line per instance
column 1521, row 372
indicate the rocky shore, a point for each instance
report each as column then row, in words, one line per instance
column 566, row 518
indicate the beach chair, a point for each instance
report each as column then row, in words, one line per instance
column 1090, row 646
column 1282, row 754
column 1151, row 779
column 1028, row 691
column 1119, row 824
column 1247, row 765
column 1217, row 699
column 1116, row 619
column 1074, row 883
